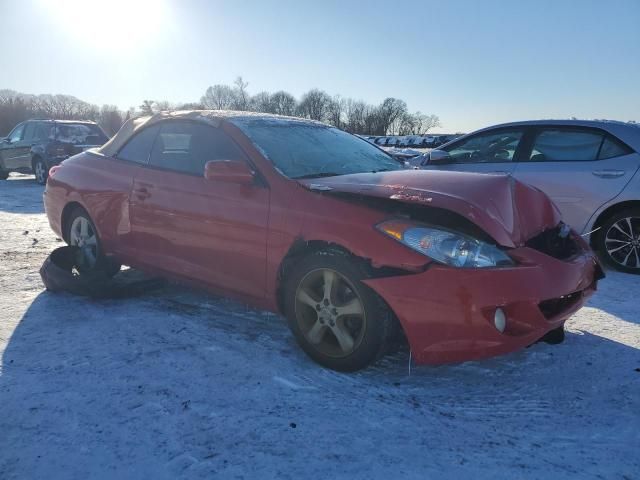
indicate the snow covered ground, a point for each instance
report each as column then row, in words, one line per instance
column 180, row 384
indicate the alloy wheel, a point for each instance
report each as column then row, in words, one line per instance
column 40, row 171
column 622, row 242
column 330, row 313
column 83, row 236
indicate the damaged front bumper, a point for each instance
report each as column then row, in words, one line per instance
column 448, row 314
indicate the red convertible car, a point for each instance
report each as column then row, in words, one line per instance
column 298, row 217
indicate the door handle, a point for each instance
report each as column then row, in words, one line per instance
column 141, row 193
column 608, row 173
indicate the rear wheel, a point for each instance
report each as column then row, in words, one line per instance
column 618, row 241
column 40, row 170
column 338, row 321
column 83, row 234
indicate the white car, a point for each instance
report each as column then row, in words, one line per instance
column 589, row 169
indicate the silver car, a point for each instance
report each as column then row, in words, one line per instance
column 589, row 169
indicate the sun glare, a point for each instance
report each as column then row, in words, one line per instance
column 118, row 26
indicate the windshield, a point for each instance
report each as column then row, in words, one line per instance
column 80, row 134
column 306, row 150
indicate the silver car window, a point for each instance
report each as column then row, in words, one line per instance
column 563, row 145
column 611, row 149
column 487, row 147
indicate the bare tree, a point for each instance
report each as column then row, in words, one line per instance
column 335, row 111
column 283, row 103
column 424, row 123
column 190, row 106
column 315, row 105
column 373, row 122
column 354, row 115
column 261, row 102
column 218, row 97
column 13, row 110
column 110, row 119
column 391, row 111
column 162, row 106
column 146, row 107
column 406, row 124
column 241, row 100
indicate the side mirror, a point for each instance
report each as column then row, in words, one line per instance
column 5, row 140
column 230, row 171
column 437, row 157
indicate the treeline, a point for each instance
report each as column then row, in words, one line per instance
column 391, row 117
column 16, row 107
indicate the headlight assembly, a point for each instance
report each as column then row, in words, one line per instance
column 445, row 246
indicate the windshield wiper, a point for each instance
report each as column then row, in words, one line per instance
column 317, row 175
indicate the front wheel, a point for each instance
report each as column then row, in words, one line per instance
column 40, row 170
column 337, row 320
column 618, row 241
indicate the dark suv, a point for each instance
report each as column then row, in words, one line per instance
column 37, row 145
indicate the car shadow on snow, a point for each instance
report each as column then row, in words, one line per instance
column 96, row 386
column 617, row 295
column 21, row 194
column 179, row 381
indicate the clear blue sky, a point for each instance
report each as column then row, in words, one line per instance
column 473, row 63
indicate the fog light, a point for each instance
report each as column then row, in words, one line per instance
column 500, row 320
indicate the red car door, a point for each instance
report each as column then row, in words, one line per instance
column 114, row 181
column 211, row 231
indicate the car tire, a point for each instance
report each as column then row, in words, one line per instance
column 81, row 232
column 555, row 336
column 618, row 241
column 4, row 175
column 336, row 319
column 40, row 170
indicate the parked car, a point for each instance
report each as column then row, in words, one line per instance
column 35, row 146
column 588, row 168
column 298, row 217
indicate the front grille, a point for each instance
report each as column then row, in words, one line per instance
column 556, row 242
column 556, row 306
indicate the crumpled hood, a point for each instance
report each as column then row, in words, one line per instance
column 509, row 211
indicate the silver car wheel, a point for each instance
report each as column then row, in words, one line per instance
column 82, row 235
column 622, row 242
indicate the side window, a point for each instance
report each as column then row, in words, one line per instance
column 29, row 131
column 187, row 146
column 138, row 148
column 612, row 148
column 566, row 145
column 44, row 131
column 16, row 134
column 487, row 147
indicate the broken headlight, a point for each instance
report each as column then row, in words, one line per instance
column 446, row 246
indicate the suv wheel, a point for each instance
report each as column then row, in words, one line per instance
column 40, row 170
column 618, row 242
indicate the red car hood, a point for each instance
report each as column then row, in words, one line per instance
column 509, row 211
